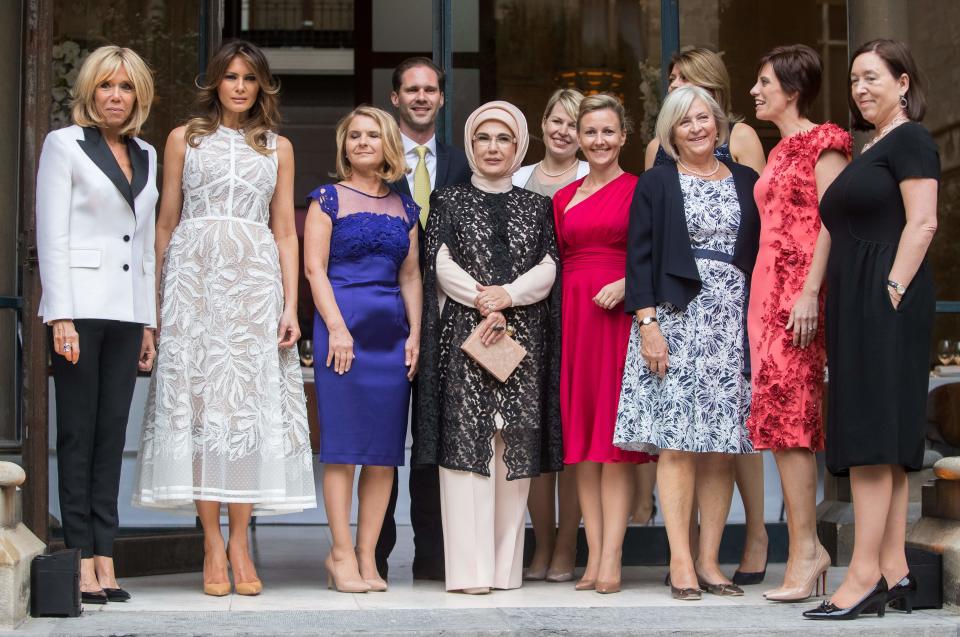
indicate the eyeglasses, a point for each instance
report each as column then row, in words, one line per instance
column 485, row 141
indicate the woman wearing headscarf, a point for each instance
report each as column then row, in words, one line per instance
column 491, row 263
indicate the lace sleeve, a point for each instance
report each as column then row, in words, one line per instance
column 412, row 210
column 326, row 196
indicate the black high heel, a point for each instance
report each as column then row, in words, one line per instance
column 741, row 578
column 873, row 601
column 902, row 594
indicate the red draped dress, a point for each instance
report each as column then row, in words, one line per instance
column 786, row 403
column 592, row 237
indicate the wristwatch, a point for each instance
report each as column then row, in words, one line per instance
column 897, row 287
column 647, row 320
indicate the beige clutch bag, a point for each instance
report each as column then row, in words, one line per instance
column 500, row 359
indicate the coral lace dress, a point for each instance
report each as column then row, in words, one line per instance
column 592, row 237
column 785, row 411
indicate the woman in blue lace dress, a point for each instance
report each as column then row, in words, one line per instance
column 360, row 255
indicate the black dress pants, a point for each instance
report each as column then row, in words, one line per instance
column 424, row 518
column 93, row 404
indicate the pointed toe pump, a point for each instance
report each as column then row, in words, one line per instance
column 814, row 583
column 874, row 601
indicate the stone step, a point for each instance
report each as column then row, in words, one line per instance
column 688, row 618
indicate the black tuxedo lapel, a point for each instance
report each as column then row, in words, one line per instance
column 443, row 165
column 96, row 149
column 140, row 160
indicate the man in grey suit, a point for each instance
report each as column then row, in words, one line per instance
column 418, row 97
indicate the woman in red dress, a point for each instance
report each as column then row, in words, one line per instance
column 592, row 216
column 785, row 315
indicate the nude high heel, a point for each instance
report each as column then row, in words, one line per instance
column 343, row 586
column 814, row 583
column 218, row 589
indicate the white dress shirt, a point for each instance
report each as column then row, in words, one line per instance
column 410, row 154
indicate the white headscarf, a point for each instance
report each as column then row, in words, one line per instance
column 512, row 118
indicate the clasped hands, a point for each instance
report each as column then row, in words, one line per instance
column 490, row 302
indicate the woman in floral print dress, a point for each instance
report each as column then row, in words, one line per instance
column 785, row 317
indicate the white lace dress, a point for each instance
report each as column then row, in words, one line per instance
column 226, row 415
column 703, row 402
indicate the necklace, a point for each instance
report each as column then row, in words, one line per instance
column 899, row 118
column 562, row 172
column 699, row 174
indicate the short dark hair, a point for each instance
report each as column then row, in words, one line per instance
column 798, row 69
column 413, row 62
column 896, row 55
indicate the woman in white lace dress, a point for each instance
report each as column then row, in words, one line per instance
column 226, row 419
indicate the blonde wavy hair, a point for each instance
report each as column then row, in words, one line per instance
column 705, row 68
column 101, row 65
column 394, row 164
column 262, row 118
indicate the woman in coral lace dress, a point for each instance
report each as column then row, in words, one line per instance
column 785, row 314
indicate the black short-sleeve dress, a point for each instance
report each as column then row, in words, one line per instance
column 878, row 356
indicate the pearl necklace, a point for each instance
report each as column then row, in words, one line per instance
column 899, row 118
column 699, row 174
column 559, row 174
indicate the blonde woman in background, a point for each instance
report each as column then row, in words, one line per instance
column 699, row 66
column 555, row 549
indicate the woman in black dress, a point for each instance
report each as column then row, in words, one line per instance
column 881, row 215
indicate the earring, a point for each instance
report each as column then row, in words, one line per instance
column 903, row 101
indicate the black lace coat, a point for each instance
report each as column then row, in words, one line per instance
column 495, row 237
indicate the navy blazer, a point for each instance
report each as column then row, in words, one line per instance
column 660, row 261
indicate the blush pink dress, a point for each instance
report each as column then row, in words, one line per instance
column 592, row 237
column 785, row 410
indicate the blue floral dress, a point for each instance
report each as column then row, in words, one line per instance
column 363, row 413
column 703, row 402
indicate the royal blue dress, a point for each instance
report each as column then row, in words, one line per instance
column 363, row 413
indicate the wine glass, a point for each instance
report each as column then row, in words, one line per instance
column 306, row 352
column 945, row 351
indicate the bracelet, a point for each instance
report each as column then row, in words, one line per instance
column 647, row 320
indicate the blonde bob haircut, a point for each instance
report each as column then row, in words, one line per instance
column 569, row 100
column 675, row 108
column 100, row 66
column 705, row 68
column 394, row 165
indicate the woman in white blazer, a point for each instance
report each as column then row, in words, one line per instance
column 556, row 544
column 96, row 200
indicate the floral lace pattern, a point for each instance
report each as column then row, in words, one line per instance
column 358, row 232
column 495, row 238
column 703, row 402
column 226, row 414
column 788, row 380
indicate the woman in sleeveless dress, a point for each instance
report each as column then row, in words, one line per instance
column 699, row 66
column 553, row 505
column 591, row 216
column 226, row 419
column 785, row 314
column 360, row 256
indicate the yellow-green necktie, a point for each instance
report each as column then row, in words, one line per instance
column 421, row 185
